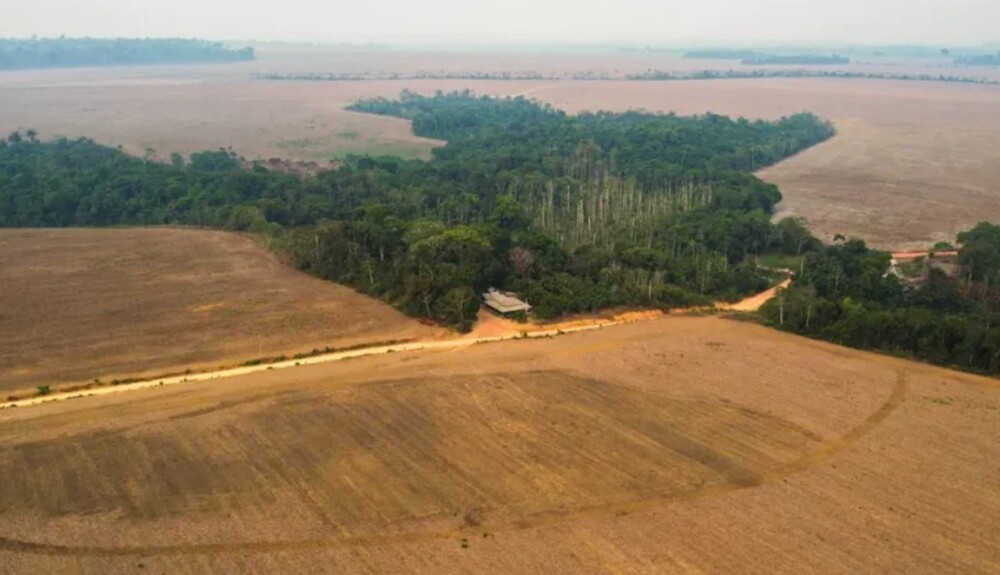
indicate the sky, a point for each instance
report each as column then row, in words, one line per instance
column 953, row 22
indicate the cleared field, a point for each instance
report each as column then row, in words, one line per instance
column 913, row 164
column 676, row 445
column 259, row 120
column 84, row 304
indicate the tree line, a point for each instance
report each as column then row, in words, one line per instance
column 64, row 52
column 753, row 58
column 846, row 294
column 648, row 75
column 575, row 213
column 662, row 76
column 979, row 60
column 795, row 60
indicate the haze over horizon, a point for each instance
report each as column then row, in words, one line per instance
column 950, row 22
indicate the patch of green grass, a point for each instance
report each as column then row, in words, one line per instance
column 404, row 150
column 298, row 144
column 349, row 143
column 777, row 260
column 912, row 269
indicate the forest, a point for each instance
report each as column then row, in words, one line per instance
column 847, row 295
column 575, row 213
column 79, row 52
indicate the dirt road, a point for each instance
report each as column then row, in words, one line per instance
column 917, row 255
column 324, row 358
column 490, row 329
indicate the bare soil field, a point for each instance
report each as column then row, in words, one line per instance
column 85, row 304
column 913, row 163
column 679, row 445
column 259, row 120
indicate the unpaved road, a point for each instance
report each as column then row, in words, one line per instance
column 490, row 329
column 911, row 255
column 323, row 358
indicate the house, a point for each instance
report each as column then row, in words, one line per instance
column 504, row 303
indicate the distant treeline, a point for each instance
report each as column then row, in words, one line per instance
column 795, row 60
column 80, row 52
column 846, row 294
column 721, row 54
column 751, row 58
column 660, row 75
column 575, row 213
column 979, row 60
column 371, row 76
column 657, row 75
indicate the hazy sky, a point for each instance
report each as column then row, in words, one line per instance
column 668, row 21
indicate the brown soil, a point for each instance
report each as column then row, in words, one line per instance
column 84, row 304
column 674, row 445
column 489, row 324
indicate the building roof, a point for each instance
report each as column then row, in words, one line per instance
column 504, row 302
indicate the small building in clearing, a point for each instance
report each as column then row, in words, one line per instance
column 504, row 303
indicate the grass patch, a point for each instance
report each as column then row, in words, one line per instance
column 405, row 150
column 780, row 261
column 298, row 144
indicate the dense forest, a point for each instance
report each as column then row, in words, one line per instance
column 77, row 52
column 576, row 213
column 847, row 295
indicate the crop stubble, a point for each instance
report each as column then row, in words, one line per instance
column 80, row 304
column 665, row 445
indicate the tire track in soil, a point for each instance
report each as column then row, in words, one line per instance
column 538, row 520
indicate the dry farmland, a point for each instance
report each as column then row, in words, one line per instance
column 83, row 304
column 914, row 162
column 676, row 445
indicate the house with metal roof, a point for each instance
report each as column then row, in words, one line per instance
column 504, row 303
